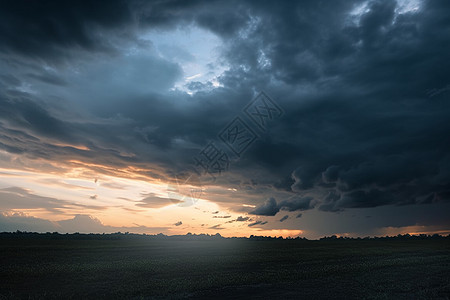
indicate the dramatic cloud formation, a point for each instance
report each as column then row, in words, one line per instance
column 129, row 92
column 271, row 207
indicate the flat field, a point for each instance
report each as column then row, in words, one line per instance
column 43, row 267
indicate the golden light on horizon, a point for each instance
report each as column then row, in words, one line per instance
column 117, row 198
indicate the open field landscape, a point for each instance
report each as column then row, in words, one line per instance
column 145, row 267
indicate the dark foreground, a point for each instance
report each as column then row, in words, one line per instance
column 143, row 268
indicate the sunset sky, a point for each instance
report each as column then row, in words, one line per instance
column 340, row 110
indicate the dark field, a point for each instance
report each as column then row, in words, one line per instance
column 144, row 268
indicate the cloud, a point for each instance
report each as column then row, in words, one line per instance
column 151, row 200
column 296, row 203
column 218, row 226
column 239, row 219
column 19, row 198
column 47, row 28
column 12, row 221
column 271, row 207
column 331, row 128
column 284, row 218
column 257, row 223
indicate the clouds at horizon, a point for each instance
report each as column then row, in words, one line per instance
column 95, row 86
column 79, row 223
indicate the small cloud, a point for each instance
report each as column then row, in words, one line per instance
column 240, row 219
column 151, row 200
column 284, row 218
column 178, row 223
column 223, row 217
column 216, row 227
column 271, row 207
column 257, row 223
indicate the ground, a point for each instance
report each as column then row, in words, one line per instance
column 46, row 267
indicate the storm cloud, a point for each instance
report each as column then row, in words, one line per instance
column 361, row 127
column 271, row 207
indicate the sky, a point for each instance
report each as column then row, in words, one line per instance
column 292, row 118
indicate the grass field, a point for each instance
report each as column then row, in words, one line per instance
column 140, row 268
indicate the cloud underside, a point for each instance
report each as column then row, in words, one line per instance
column 81, row 85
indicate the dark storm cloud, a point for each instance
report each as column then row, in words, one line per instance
column 48, row 78
column 296, row 203
column 271, row 207
column 359, row 129
column 46, row 29
column 22, row 112
column 366, row 134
